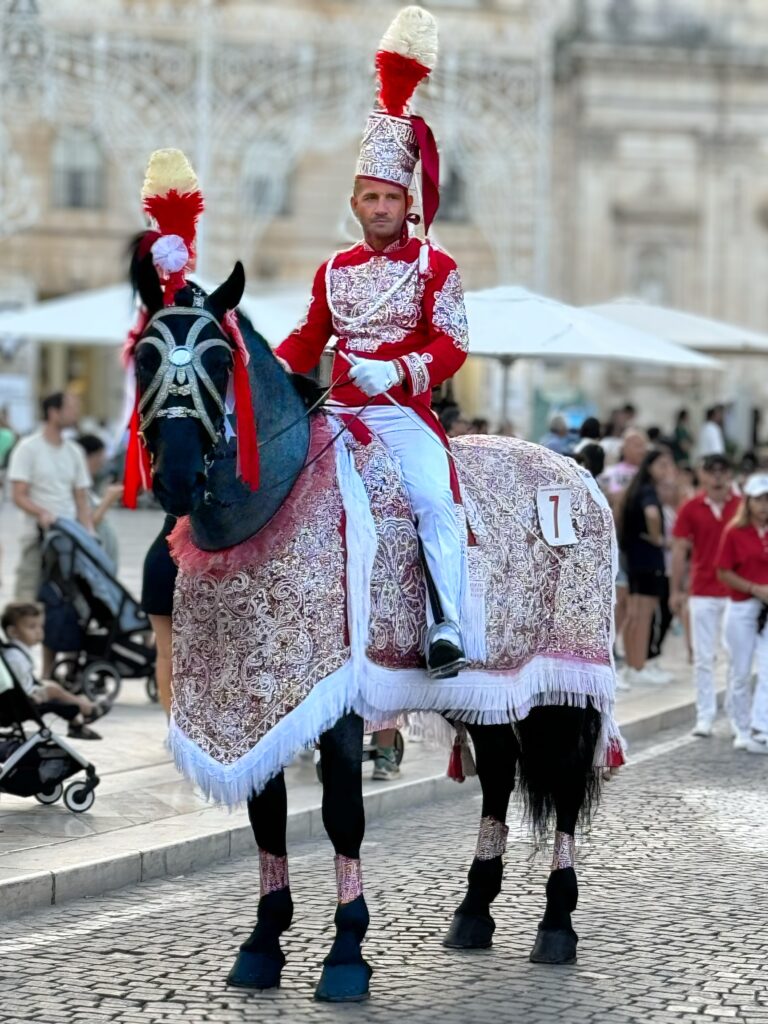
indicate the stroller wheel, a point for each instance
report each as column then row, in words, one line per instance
column 50, row 794
column 78, row 797
column 101, row 682
column 151, row 687
column 66, row 672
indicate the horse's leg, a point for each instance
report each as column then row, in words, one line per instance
column 345, row 973
column 557, row 778
column 496, row 752
column 260, row 960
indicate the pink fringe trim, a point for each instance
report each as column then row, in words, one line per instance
column 312, row 480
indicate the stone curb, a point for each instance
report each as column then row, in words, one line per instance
column 22, row 891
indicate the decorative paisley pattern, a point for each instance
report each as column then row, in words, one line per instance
column 250, row 644
column 450, row 314
column 354, row 291
column 254, row 632
column 398, row 593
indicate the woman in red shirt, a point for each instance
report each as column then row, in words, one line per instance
column 742, row 565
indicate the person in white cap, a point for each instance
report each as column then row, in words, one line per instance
column 742, row 565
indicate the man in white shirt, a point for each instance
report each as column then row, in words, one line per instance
column 50, row 480
column 711, row 437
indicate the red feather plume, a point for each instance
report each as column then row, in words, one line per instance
column 177, row 213
column 398, row 78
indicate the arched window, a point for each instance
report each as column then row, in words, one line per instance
column 651, row 274
column 268, row 183
column 78, row 170
column 453, row 198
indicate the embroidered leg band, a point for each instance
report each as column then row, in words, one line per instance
column 273, row 872
column 564, row 855
column 349, row 878
column 491, row 839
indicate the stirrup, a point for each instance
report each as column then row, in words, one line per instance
column 445, row 654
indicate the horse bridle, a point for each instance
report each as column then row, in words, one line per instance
column 181, row 370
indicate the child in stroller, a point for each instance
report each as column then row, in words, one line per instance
column 37, row 765
column 99, row 630
column 22, row 624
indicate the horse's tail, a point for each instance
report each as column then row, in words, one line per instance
column 557, row 778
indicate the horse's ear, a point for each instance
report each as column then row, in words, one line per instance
column 144, row 279
column 228, row 295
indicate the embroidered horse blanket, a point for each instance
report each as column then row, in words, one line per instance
column 324, row 610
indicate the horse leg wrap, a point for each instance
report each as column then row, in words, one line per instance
column 556, row 940
column 346, row 975
column 260, row 961
column 472, row 926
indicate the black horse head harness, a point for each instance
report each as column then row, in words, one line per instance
column 181, row 372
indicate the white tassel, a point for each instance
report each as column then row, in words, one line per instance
column 413, row 34
column 473, row 620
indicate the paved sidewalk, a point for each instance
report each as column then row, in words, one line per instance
column 148, row 822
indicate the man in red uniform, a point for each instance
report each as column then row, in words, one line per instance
column 395, row 304
column 698, row 528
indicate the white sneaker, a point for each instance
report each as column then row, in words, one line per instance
column 655, row 674
column 757, row 743
column 702, row 728
column 740, row 742
column 623, row 680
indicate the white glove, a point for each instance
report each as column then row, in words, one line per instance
column 373, row 376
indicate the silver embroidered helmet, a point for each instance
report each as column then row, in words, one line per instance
column 394, row 139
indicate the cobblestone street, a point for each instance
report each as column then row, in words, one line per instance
column 671, row 919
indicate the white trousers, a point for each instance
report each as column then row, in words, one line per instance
column 707, row 614
column 424, row 466
column 745, row 645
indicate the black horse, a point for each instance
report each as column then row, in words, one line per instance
column 550, row 751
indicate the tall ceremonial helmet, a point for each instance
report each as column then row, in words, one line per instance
column 394, row 139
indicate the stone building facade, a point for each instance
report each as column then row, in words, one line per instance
column 592, row 148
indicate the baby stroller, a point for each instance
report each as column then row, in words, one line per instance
column 38, row 764
column 90, row 615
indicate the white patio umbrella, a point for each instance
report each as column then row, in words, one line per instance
column 697, row 332
column 509, row 323
column 103, row 316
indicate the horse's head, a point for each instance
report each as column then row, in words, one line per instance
column 183, row 361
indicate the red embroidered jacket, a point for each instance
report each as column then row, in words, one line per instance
column 382, row 305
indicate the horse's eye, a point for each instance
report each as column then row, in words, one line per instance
column 147, row 359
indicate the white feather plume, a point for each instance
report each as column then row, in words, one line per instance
column 413, row 34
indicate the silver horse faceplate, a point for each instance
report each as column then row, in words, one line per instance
column 181, row 369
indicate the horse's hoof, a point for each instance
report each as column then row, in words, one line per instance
column 255, row 970
column 470, row 931
column 554, row 946
column 344, row 983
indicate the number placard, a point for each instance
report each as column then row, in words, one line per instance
column 554, row 507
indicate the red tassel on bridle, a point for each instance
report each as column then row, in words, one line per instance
column 138, row 470
column 247, row 437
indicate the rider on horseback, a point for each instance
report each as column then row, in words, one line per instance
column 396, row 305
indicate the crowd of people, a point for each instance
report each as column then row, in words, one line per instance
column 693, row 540
column 692, row 532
